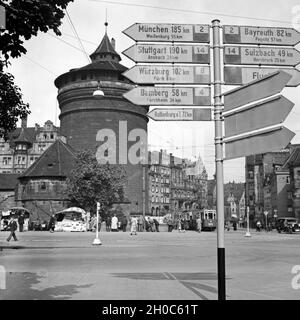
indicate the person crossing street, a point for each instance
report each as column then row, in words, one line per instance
column 12, row 227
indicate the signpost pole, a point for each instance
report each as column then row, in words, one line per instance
column 248, row 234
column 97, row 241
column 219, row 159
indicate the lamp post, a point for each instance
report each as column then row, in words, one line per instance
column 97, row 240
column 248, row 234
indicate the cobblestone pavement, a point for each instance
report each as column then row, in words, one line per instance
column 163, row 266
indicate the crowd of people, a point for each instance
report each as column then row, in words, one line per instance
column 123, row 223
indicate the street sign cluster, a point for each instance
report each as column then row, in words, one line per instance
column 159, row 71
column 255, row 106
column 261, row 59
column 281, row 52
column 252, row 113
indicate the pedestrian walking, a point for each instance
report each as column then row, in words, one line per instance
column 147, row 225
column 156, row 223
column 151, row 223
column 234, row 224
column 140, row 224
column 108, row 223
column 114, row 223
column 199, row 224
column 52, row 223
column 124, row 223
column 21, row 222
column 12, row 227
column 133, row 227
column 170, row 224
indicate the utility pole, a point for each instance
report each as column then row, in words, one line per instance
column 218, row 106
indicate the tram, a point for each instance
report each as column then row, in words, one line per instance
column 209, row 219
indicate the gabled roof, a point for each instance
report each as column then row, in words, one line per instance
column 56, row 161
column 293, row 159
column 8, row 181
column 105, row 48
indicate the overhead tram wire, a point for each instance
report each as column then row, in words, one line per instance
column 66, row 42
column 193, row 11
column 38, row 64
column 75, row 32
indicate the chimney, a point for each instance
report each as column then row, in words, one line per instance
column 113, row 43
column 24, row 122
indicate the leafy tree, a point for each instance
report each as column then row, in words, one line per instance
column 90, row 182
column 11, row 105
column 24, row 19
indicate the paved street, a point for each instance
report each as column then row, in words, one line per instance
column 175, row 266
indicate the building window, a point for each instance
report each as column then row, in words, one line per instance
column 288, row 180
column 51, row 136
column 290, row 195
column 43, row 186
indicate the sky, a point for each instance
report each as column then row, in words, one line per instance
column 48, row 56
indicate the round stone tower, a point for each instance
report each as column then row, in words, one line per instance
column 89, row 121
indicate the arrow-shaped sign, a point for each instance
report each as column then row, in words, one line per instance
column 259, row 115
column 256, row 90
column 168, row 32
column 155, row 74
column 268, row 140
column 183, row 114
column 242, row 75
column 275, row 56
column 261, row 35
column 169, row 96
column 168, row 53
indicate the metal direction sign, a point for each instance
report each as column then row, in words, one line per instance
column 183, row 114
column 260, row 35
column 155, row 74
column 243, row 75
column 168, row 53
column 170, row 96
column 269, row 140
column 268, row 85
column 168, row 32
column 259, row 115
column 261, row 55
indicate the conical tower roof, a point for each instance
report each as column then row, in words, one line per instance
column 105, row 51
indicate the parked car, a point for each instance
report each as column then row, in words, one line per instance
column 287, row 224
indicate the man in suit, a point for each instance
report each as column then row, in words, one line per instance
column 21, row 222
column 12, row 227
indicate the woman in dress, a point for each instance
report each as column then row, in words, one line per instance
column 133, row 227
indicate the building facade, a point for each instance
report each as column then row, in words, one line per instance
column 268, row 182
column 175, row 185
column 25, row 145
